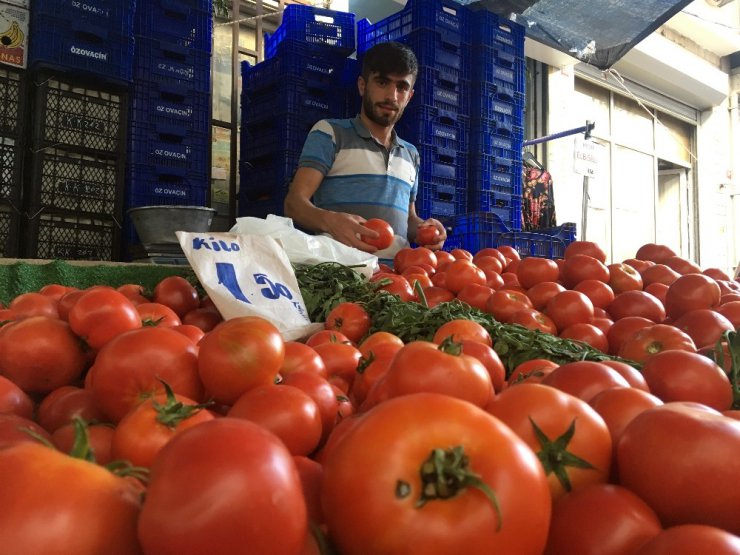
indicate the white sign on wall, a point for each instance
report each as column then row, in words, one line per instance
column 586, row 157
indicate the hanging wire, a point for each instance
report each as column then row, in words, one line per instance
column 322, row 3
column 620, row 80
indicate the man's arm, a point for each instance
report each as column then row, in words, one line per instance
column 343, row 227
column 415, row 221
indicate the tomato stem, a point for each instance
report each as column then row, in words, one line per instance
column 733, row 347
column 172, row 412
column 447, row 472
column 450, row 346
column 555, row 457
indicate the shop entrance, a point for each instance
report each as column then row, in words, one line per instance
column 672, row 218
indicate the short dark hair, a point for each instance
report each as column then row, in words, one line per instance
column 389, row 57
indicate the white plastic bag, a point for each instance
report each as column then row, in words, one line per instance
column 249, row 275
column 303, row 248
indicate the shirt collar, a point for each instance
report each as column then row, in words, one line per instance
column 362, row 130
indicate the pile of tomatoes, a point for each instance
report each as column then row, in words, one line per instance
column 134, row 423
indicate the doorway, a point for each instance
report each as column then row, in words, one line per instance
column 673, row 217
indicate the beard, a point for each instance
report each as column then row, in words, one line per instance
column 378, row 115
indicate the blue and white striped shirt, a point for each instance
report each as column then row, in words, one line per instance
column 361, row 176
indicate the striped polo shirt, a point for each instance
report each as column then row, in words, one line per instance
column 361, row 176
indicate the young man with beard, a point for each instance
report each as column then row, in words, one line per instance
column 355, row 169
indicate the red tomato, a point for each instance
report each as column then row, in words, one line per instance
column 442, row 258
column 682, row 266
column 134, row 293
column 504, row 303
column 636, row 303
column 67, row 301
column 633, row 376
column 685, row 376
column 349, row 318
column 531, row 371
column 653, row 339
column 654, row 252
column 639, row 265
column 657, row 290
column 534, row 320
column 65, row 403
column 299, row 357
column 586, row 333
column 717, row 274
column 57, row 291
column 239, row 354
column 99, row 438
column 659, row 273
column 177, row 293
column 533, row 270
column 623, row 277
column 561, row 429
column 13, row 431
column 321, row 392
column 490, row 359
column 397, row 285
column 34, row 304
column 604, row 325
column 602, row 519
column 462, row 254
column 541, row 293
column 671, row 484
column 475, row 294
column 402, row 505
column 326, row 336
column 689, row 292
column 340, row 359
column 202, row 467
column 690, row 539
column 13, row 400
column 421, row 279
column 311, row 474
column 731, row 311
column 101, row 314
column 132, row 367
column 157, row 314
column 570, row 307
column 585, row 247
column 494, row 281
column 94, row 510
column 379, row 338
column 286, row 411
column 384, row 231
column 581, row 266
column 40, row 353
column 204, row 318
column 195, row 334
column 509, row 252
column 489, row 264
column 623, row 329
column 421, row 366
column 600, row 293
column 462, row 330
column 428, row 235
column 703, row 325
column 413, row 257
column 462, row 272
column 147, row 428
column 584, row 379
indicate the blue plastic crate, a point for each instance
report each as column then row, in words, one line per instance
column 488, row 29
column 432, row 126
column 267, row 177
column 275, row 134
column 486, row 169
column 495, row 90
column 259, row 208
column 316, row 27
column 486, row 200
column 441, row 51
column 505, row 114
column 449, row 97
column 148, row 184
column 115, row 15
column 188, row 24
column 157, row 103
column 293, row 97
column 485, row 140
column 566, row 232
column 169, row 146
column 301, row 68
column 529, row 243
column 431, row 204
column 172, row 64
column 76, row 45
column 474, row 231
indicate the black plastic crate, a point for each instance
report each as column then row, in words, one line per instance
column 53, row 236
column 10, row 170
column 70, row 113
column 12, row 91
column 64, row 181
column 9, row 227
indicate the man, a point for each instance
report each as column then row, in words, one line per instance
column 351, row 170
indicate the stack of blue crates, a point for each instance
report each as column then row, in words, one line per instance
column 306, row 77
column 497, row 97
column 170, row 106
column 437, row 120
column 94, row 37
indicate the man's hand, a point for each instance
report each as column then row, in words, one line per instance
column 347, row 229
column 431, row 234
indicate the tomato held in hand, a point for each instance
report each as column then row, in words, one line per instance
column 384, row 230
column 427, row 234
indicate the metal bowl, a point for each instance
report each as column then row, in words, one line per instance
column 157, row 225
